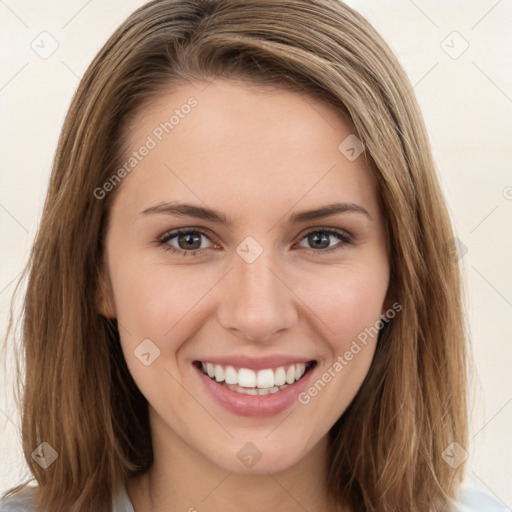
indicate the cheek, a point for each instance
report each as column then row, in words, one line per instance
column 163, row 304
column 347, row 300
column 157, row 309
column 153, row 297
column 154, row 300
column 349, row 305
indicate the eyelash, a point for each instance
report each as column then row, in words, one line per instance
column 344, row 237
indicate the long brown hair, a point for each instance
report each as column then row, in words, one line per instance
column 78, row 395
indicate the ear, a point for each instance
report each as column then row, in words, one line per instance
column 105, row 295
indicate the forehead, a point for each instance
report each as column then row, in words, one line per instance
column 226, row 138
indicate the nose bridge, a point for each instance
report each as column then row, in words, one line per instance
column 257, row 303
column 256, row 280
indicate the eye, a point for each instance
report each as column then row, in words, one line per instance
column 188, row 241
column 320, row 239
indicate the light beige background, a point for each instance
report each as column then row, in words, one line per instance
column 467, row 104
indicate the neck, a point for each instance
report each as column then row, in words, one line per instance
column 182, row 479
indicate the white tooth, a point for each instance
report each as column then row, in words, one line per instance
column 231, row 375
column 210, row 368
column 299, row 370
column 254, row 391
column 279, row 376
column 205, row 369
column 290, row 375
column 219, row 373
column 265, row 379
column 246, row 378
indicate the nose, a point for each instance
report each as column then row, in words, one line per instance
column 256, row 302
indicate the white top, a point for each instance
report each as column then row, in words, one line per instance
column 469, row 500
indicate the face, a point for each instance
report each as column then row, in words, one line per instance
column 217, row 268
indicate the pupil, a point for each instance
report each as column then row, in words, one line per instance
column 189, row 239
column 316, row 238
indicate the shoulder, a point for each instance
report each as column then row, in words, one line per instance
column 470, row 499
column 22, row 501
column 25, row 501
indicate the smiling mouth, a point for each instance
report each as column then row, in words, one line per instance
column 255, row 382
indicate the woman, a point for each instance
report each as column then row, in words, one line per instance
column 308, row 352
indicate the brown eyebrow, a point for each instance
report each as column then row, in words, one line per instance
column 189, row 210
column 212, row 215
column 326, row 211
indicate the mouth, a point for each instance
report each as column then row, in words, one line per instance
column 261, row 382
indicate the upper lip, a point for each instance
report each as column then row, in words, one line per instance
column 255, row 363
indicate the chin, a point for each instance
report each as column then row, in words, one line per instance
column 257, row 455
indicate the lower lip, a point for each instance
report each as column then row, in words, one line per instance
column 255, row 405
